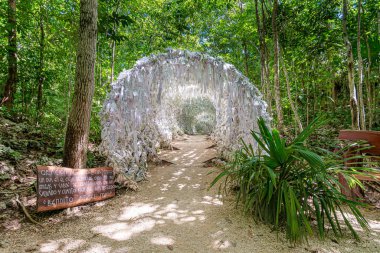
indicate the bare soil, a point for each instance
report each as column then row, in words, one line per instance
column 173, row 211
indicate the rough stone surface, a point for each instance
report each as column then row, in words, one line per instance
column 142, row 108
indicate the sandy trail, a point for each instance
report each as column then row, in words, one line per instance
column 173, row 211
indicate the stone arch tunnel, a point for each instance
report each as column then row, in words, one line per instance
column 145, row 107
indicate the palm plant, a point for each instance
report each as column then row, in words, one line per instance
column 290, row 186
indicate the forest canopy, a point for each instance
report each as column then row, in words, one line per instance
column 300, row 54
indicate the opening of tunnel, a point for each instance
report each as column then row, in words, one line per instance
column 172, row 93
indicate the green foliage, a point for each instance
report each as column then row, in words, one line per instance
column 289, row 185
column 310, row 35
column 9, row 153
column 197, row 116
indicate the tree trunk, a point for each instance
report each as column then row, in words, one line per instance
column 244, row 46
column 113, row 45
column 276, row 68
column 113, row 60
column 360, row 74
column 262, row 52
column 266, row 60
column 246, row 57
column 307, row 95
column 75, row 150
column 10, row 85
column 292, row 105
column 350, row 69
column 370, row 87
column 41, row 76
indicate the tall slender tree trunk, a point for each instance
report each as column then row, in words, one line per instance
column 307, row 94
column 360, row 73
column 350, row 69
column 262, row 51
column 370, row 87
column 41, row 76
column 276, row 68
column 113, row 44
column 10, row 85
column 75, row 150
column 244, row 46
column 291, row 101
column 113, row 60
column 266, row 59
column 246, row 57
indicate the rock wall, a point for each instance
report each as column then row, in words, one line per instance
column 142, row 108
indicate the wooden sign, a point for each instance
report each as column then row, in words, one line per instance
column 372, row 137
column 59, row 187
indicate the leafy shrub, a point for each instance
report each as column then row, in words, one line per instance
column 9, row 153
column 290, row 186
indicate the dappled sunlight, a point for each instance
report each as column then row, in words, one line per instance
column 220, row 244
column 172, row 179
column 62, row 245
column 162, row 240
column 198, row 212
column 189, row 153
column 173, row 211
column 217, row 234
column 122, row 250
column 97, row 248
column 212, row 200
column 187, row 158
column 186, row 219
column 219, row 241
column 165, row 187
column 124, row 231
column 195, row 186
column 374, row 225
column 136, row 210
column 178, row 173
column 141, row 217
column 181, row 186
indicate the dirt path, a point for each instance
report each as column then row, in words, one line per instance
column 173, row 211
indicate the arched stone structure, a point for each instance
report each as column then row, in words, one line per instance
column 141, row 110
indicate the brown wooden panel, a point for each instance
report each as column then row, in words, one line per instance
column 59, row 187
column 372, row 137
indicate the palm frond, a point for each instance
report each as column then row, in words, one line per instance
column 289, row 185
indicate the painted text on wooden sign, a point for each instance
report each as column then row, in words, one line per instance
column 59, row 187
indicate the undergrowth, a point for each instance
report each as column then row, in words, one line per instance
column 287, row 185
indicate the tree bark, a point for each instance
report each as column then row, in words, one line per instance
column 75, row 150
column 113, row 45
column 292, row 104
column 246, row 57
column 276, row 68
column 266, row 60
column 360, row 73
column 245, row 47
column 41, row 76
column 10, row 85
column 113, row 60
column 262, row 51
column 350, row 69
column 370, row 87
